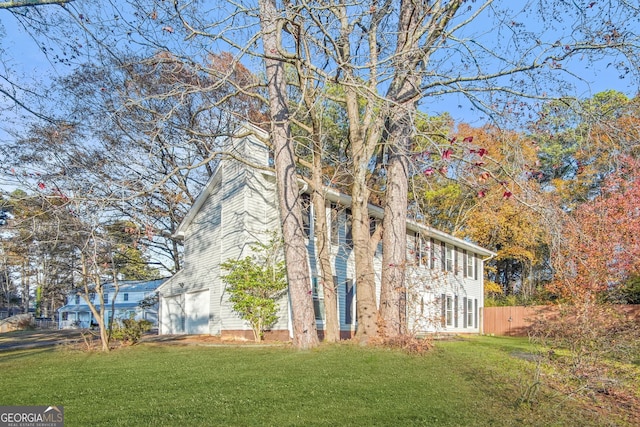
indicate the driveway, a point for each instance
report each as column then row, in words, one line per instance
column 17, row 340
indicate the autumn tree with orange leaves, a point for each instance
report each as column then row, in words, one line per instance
column 600, row 250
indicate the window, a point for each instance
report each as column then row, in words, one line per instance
column 419, row 249
column 449, row 258
column 106, row 298
column 469, row 265
column 469, row 313
column 77, row 299
column 348, row 302
column 126, row 297
column 65, row 315
column 318, row 299
column 449, row 311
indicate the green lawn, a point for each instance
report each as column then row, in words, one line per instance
column 475, row 381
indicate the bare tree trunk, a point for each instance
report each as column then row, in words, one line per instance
column 323, row 242
column 364, row 133
column 25, row 288
column 402, row 95
column 394, row 244
column 98, row 314
column 296, row 256
column 367, row 308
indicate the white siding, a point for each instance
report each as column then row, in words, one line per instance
column 241, row 209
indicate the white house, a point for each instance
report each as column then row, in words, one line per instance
column 76, row 313
column 238, row 207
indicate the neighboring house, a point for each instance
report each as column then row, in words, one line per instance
column 76, row 313
column 238, row 207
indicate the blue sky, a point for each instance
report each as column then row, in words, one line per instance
column 32, row 66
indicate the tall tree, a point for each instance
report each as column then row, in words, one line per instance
column 412, row 49
column 600, row 250
column 295, row 250
column 356, row 46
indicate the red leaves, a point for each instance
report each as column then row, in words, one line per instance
column 168, row 29
column 482, row 193
column 428, row 172
column 480, row 151
column 507, row 195
column 41, row 185
column 468, row 139
column 446, row 154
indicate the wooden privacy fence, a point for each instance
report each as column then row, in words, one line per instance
column 517, row 320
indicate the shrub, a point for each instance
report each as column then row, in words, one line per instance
column 255, row 283
column 586, row 340
column 131, row 330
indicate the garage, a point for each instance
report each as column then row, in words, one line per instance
column 197, row 312
column 172, row 315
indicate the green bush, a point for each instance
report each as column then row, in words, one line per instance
column 131, row 330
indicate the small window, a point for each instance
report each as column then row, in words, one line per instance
column 65, row 315
column 106, row 298
column 469, row 313
column 77, row 299
column 449, row 311
column 318, row 299
column 125, row 297
column 348, row 303
column 449, row 258
column 469, row 266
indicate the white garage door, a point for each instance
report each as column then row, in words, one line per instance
column 172, row 317
column 197, row 311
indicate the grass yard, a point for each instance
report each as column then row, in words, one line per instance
column 471, row 382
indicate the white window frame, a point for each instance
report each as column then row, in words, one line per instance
column 449, row 254
column 318, row 299
column 469, row 266
column 470, row 313
column 449, row 310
